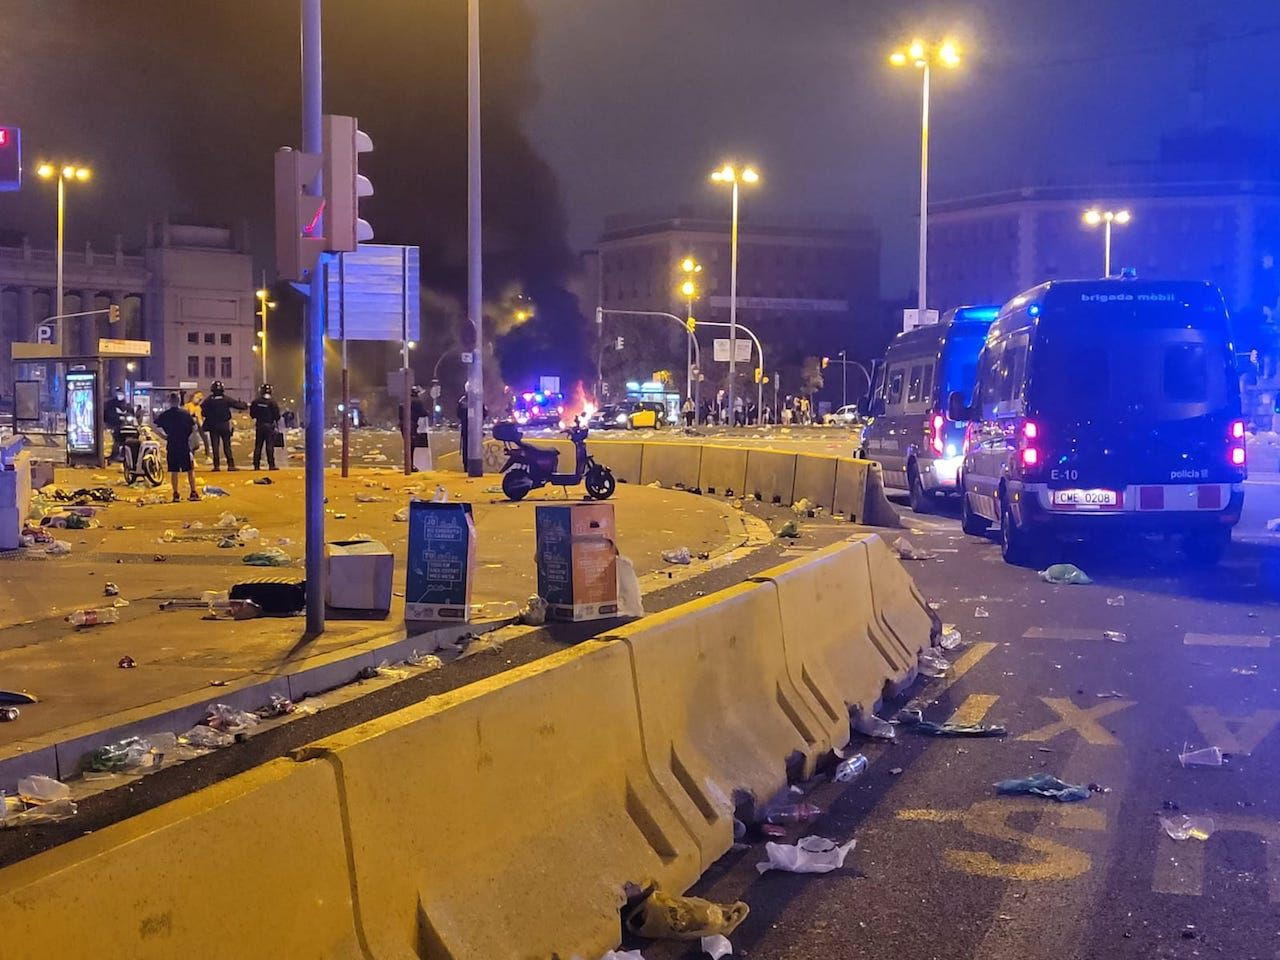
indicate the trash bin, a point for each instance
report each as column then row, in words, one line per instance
column 359, row 576
column 15, row 492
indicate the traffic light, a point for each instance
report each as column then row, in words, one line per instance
column 759, row 374
column 825, row 361
column 343, row 183
column 619, row 343
column 299, row 236
column 10, row 158
column 113, row 313
column 692, row 324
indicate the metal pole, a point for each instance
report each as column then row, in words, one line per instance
column 844, row 380
column 313, row 399
column 474, row 455
column 924, row 194
column 346, row 370
column 688, row 362
column 733, row 297
column 264, row 327
column 57, row 304
column 1106, row 248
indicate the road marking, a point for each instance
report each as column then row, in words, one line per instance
column 990, row 819
column 1180, row 864
column 1225, row 640
column 974, row 709
column 1082, row 721
column 1236, row 735
column 1063, row 633
column 962, row 665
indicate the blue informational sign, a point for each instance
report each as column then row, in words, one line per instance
column 82, row 413
column 373, row 293
column 441, row 561
column 10, row 158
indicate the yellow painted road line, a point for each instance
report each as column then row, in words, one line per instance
column 967, row 661
column 1179, row 867
column 1083, row 721
column 1237, row 735
column 1225, row 640
column 1062, row 633
column 974, row 709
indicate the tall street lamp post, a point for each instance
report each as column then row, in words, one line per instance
column 1106, row 217
column 265, row 303
column 924, row 57
column 68, row 171
column 731, row 175
column 689, row 290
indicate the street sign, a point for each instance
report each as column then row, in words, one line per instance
column 373, row 293
column 10, row 158
column 782, row 304
column 743, row 351
column 124, row 348
column 911, row 319
column 468, row 356
column 46, row 333
column 549, row 384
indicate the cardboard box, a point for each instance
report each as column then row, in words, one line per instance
column 359, row 575
column 442, row 562
column 577, row 560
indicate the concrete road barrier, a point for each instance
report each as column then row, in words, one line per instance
column 255, row 866
column 501, row 819
column 622, row 457
column 671, row 463
column 901, row 608
column 720, row 714
column 723, row 468
column 860, row 496
column 771, row 474
column 816, row 480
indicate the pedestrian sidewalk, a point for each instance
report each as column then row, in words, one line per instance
column 185, row 660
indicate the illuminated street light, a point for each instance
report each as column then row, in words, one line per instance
column 1093, row 217
column 689, row 290
column 68, row 171
column 265, row 303
column 924, row 57
column 729, row 174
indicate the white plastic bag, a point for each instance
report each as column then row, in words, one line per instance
column 630, row 603
column 811, row 854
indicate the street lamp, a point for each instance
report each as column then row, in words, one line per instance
column 1094, row 217
column 731, row 175
column 689, row 290
column 264, row 304
column 924, row 57
column 68, row 171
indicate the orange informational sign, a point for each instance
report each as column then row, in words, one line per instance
column 577, row 560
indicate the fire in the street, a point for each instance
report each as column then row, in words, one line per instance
column 576, row 405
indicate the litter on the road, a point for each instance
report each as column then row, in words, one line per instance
column 210, row 490
column 950, row 638
column 370, row 498
column 716, row 946
column 1204, row 757
column 277, row 706
column 16, row 815
column 621, row 955
column 933, row 664
column 869, row 725
column 401, row 515
column 980, row 613
column 1110, row 695
column 1116, row 601
column 93, row 616
column 426, row 661
column 268, row 557
column 1065, row 573
column 227, row 718
column 1185, row 827
column 206, row 738
column 663, row 916
column 630, row 599
column 109, row 589
column 534, row 613
column 9, row 714
column 1115, row 636
column 909, row 551
column 914, row 721
column 812, row 854
column 788, row 530
column 850, row 769
column 792, row 814
column 126, row 663
column 679, row 555
column 1273, row 525
column 1245, row 671
column 802, row 507
column 1044, row 785
column 41, row 789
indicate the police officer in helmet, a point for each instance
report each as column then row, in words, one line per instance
column 265, row 413
column 217, row 409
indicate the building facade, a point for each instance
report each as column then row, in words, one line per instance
column 806, row 286
column 989, row 248
column 189, row 291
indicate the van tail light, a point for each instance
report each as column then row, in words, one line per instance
column 1029, row 452
column 935, row 433
column 1236, row 455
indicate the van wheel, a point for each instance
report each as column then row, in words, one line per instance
column 1205, row 549
column 974, row 524
column 921, row 499
column 1018, row 547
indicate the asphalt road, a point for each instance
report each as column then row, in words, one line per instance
column 944, row 868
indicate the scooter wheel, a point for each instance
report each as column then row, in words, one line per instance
column 516, row 484
column 600, row 483
column 151, row 469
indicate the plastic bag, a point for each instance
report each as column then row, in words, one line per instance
column 909, row 551
column 933, row 664
column 1065, row 573
column 1044, row 785
column 1184, row 827
column 534, row 613
column 811, row 854
column 630, row 602
column 206, row 737
column 679, row 555
column 716, row 946
column 228, row 718
column 869, row 725
column 950, row 638
column 38, row 788
column 268, row 557
column 227, row 521
column 667, row 917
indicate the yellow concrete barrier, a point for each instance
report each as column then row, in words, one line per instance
column 860, row 496
column 723, row 468
column 770, row 474
column 901, row 608
column 254, row 866
column 877, row 511
column 623, row 457
column 816, row 479
column 671, row 463
column 718, row 708
column 501, row 819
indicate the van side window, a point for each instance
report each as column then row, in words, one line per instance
column 1013, row 364
column 988, row 388
column 913, row 388
column 926, row 387
column 895, row 387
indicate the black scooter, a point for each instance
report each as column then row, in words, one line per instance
column 529, row 467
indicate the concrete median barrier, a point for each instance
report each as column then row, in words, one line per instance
column 718, row 708
column 860, row 496
column 671, row 464
column 901, row 609
column 723, row 469
column 623, row 457
column 501, row 820
column 255, row 866
column 771, row 474
column 816, row 480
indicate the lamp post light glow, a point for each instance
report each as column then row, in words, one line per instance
column 731, row 175
column 1093, row 217
column 68, row 171
column 265, row 303
column 689, row 290
column 924, row 57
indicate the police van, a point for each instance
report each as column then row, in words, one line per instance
column 1102, row 407
column 908, row 434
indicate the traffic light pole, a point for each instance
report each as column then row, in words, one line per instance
column 474, row 454
column 313, row 389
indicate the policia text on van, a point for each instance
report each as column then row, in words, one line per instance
column 1105, row 406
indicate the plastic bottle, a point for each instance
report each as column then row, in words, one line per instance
column 850, row 769
column 795, row 813
column 9, row 713
column 93, row 617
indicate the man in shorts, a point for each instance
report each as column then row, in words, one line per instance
column 178, row 425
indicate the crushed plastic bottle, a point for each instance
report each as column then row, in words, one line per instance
column 933, row 664
column 869, row 725
column 680, row 555
column 207, row 737
column 92, row 617
column 9, row 713
column 38, row 788
column 1184, row 827
column 793, row 813
column 950, row 638
column 850, row 769
column 210, row 490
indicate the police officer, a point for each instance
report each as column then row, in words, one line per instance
column 217, row 409
column 114, row 415
column 266, row 417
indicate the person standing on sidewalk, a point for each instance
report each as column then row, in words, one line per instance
column 114, row 415
column 689, row 411
column 265, row 413
column 177, row 425
column 217, row 420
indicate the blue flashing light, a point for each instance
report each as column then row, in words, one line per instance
column 633, row 385
column 1033, row 311
column 985, row 313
